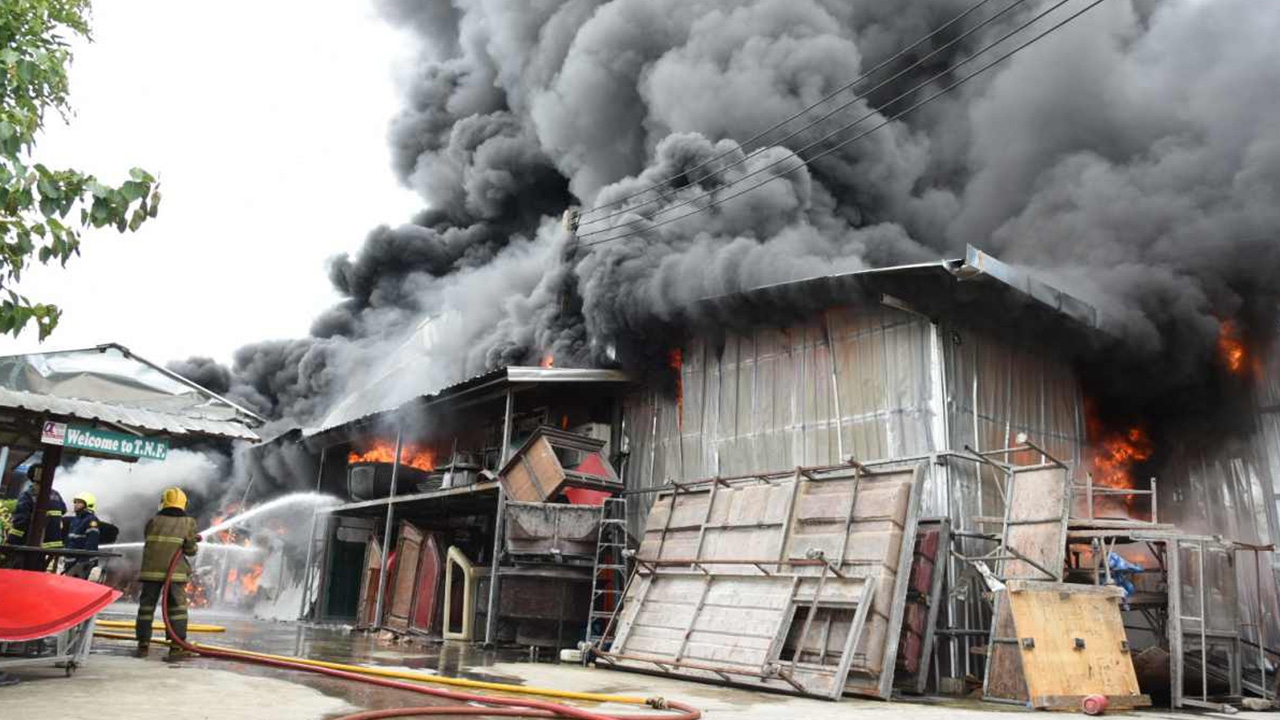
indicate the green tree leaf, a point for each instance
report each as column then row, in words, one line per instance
column 37, row 202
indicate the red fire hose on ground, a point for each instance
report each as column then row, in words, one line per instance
column 497, row 706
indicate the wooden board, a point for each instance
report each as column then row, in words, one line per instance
column 403, row 582
column 427, row 594
column 924, row 596
column 369, row 579
column 1070, row 642
column 1036, row 523
column 742, row 616
column 1004, row 676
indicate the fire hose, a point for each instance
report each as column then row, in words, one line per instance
column 498, row 706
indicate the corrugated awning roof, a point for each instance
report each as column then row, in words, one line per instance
column 112, row 385
column 159, row 422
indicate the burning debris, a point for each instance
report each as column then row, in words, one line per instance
column 1115, row 455
column 383, row 451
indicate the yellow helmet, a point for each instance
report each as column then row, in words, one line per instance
column 173, row 497
column 88, row 499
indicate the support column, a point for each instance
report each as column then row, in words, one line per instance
column 311, row 541
column 386, row 529
column 35, row 532
column 491, row 616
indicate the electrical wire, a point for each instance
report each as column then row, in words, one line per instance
column 880, row 66
column 817, row 121
column 872, row 113
column 802, row 162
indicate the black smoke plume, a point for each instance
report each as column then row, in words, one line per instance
column 1133, row 158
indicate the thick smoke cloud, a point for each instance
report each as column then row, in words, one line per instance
column 1134, row 157
column 129, row 493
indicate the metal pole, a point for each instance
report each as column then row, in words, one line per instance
column 1260, row 620
column 311, row 542
column 4, row 463
column 490, row 618
column 386, row 529
column 1204, row 620
column 835, row 386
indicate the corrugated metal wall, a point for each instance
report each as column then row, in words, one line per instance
column 899, row 386
column 1230, row 491
column 775, row 398
column 996, row 390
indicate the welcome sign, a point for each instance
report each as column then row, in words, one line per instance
column 104, row 441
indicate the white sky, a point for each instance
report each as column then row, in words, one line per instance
column 266, row 123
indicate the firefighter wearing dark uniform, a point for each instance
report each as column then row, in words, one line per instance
column 168, row 531
column 26, row 509
column 82, row 533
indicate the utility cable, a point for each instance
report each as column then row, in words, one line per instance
column 803, row 162
column 870, row 114
column 658, row 185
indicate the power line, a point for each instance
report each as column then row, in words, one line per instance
column 871, row 114
column 912, row 108
column 658, row 184
column 856, row 97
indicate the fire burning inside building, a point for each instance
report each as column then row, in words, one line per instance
column 1231, row 348
column 384, row 452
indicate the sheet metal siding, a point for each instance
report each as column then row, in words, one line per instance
column 1229, row 490
column 765, row 401
column 997, row 390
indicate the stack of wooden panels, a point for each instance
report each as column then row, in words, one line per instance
column 797, row 584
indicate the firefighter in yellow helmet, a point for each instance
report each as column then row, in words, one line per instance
column 168, row 531
column 82, row 534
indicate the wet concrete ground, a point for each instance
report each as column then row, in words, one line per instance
column 119, row 686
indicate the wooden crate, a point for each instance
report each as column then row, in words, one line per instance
column 551, row 461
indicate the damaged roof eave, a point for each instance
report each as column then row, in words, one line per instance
column 516, row 377
column 975, row 268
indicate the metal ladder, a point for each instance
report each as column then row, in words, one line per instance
column 610, row 571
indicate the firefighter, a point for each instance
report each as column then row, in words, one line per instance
column 83, row 533
column 26, row 508
column 168, row 531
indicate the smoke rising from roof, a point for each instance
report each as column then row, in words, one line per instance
column 1132, row 157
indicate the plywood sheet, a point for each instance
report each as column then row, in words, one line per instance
column 1070, row 642
column 1005, row 679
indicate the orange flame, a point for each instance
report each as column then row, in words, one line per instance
column 548, row 361
column 197, row 596
column 675, row 360
column 385, row 452
column 1115, row 454
column 1231, row 347
column 249, row 581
